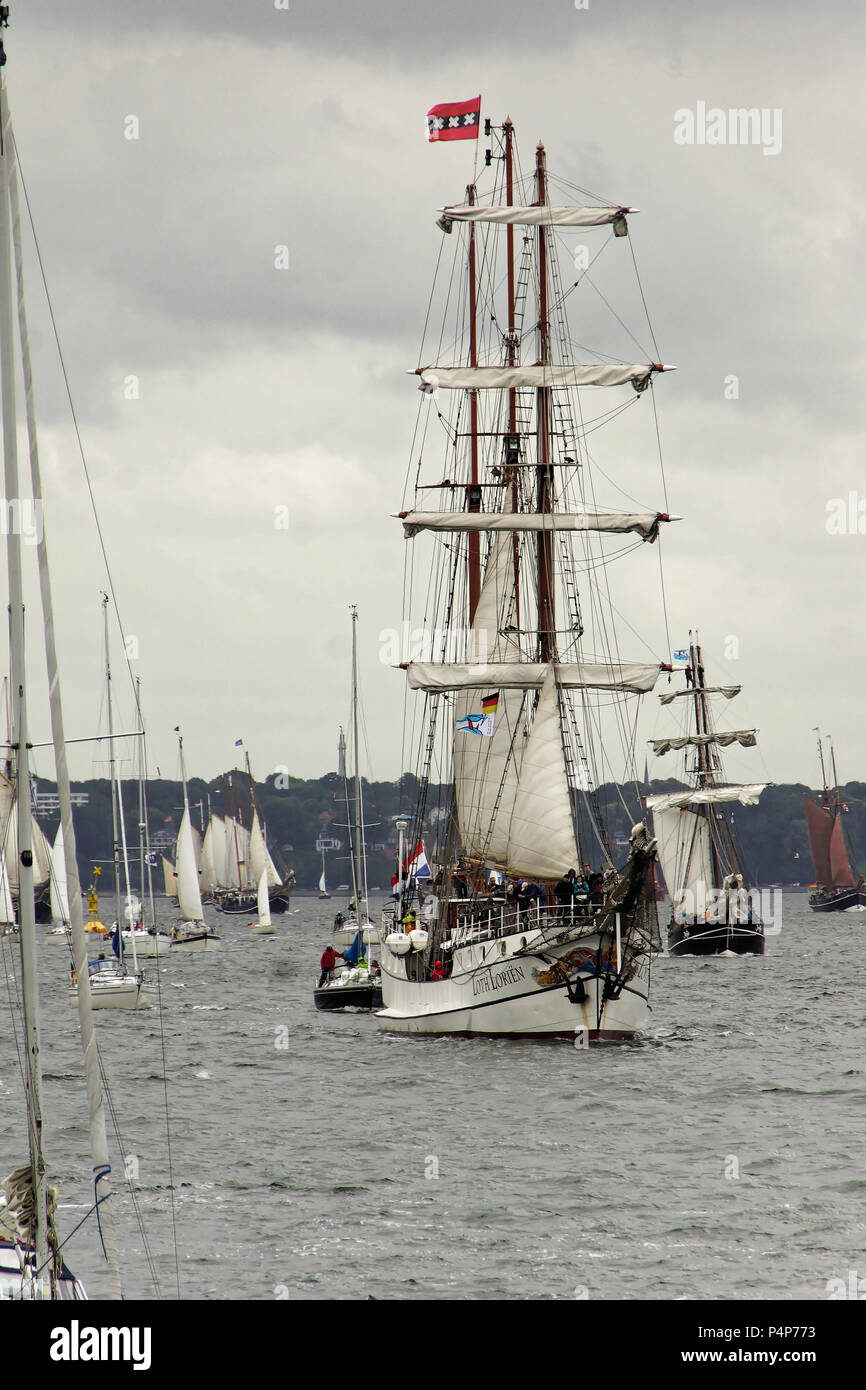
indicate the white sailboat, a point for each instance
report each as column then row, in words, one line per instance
column 113, row 983
column 526, row 694
column 244, row 857
column 263, row 925
column 194, row 933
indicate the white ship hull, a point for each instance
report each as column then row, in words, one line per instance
column 116, row 994
column 145, row 944
column 502, row 988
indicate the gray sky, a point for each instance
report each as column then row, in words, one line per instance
column 259, row 387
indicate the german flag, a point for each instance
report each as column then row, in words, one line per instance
column 490, row 703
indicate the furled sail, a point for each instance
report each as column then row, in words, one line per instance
column 188, row 894
column 645, row 524
column 508, row 378
column 535, row 215
column 745, row 737
column 633, row 676
column 747, row 793
column 486, row 769
column 729, row 691
column 541, row 839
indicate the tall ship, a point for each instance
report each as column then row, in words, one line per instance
column 233, row 856
column 838, row 885
column 713, row 911
column 513, row 917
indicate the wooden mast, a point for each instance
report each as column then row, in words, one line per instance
column 544, row 471
column 511, row 348
column 474, row 496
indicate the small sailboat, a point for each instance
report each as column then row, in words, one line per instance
column 357, row 985
column 113, row 983
column 838, row 886
column 263, row 926
column 193, row 933
column 526, row 696
column 713, row 911
column 323, row 887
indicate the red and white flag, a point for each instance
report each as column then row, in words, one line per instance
column 454, row 120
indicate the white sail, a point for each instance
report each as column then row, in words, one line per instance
column 263, row 900
column 747, row 793
column 197, row 843
column 217, row 830
column 259, row 857
column 169, row 878
column 41, row 848
column 645, row 524
column 510, row 378
column 207, row 872
column 7, row 907
column 541, row 841
column 188, row 894
column 486, row 769
column 59, row 891
column 534, row 215
column 745, row 737
column 635, row 676
column 684, row 853
column 322, row 888
column 234, row 860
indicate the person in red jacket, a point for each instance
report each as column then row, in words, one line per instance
column 327, row 963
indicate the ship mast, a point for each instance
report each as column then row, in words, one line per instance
column 825, row 794
column 474, row 493
column 544, row 470
column 512, row 443
column 18, row 745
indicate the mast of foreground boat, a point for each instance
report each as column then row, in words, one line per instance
column 96, row 1110
column 361, row 849
column 118, row 826
column 18, row 746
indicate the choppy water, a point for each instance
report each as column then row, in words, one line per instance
column 309, row 1170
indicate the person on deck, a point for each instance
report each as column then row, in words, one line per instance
column 327, row 963
column 438, row 971
column 564, row 892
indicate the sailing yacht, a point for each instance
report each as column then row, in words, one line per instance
column 838, row 886
column 356, row 985
column 526, row 693
column 712, row 910
column 113, row 983
column 193, row 933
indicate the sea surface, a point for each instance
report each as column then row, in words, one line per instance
column 718, row 1156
